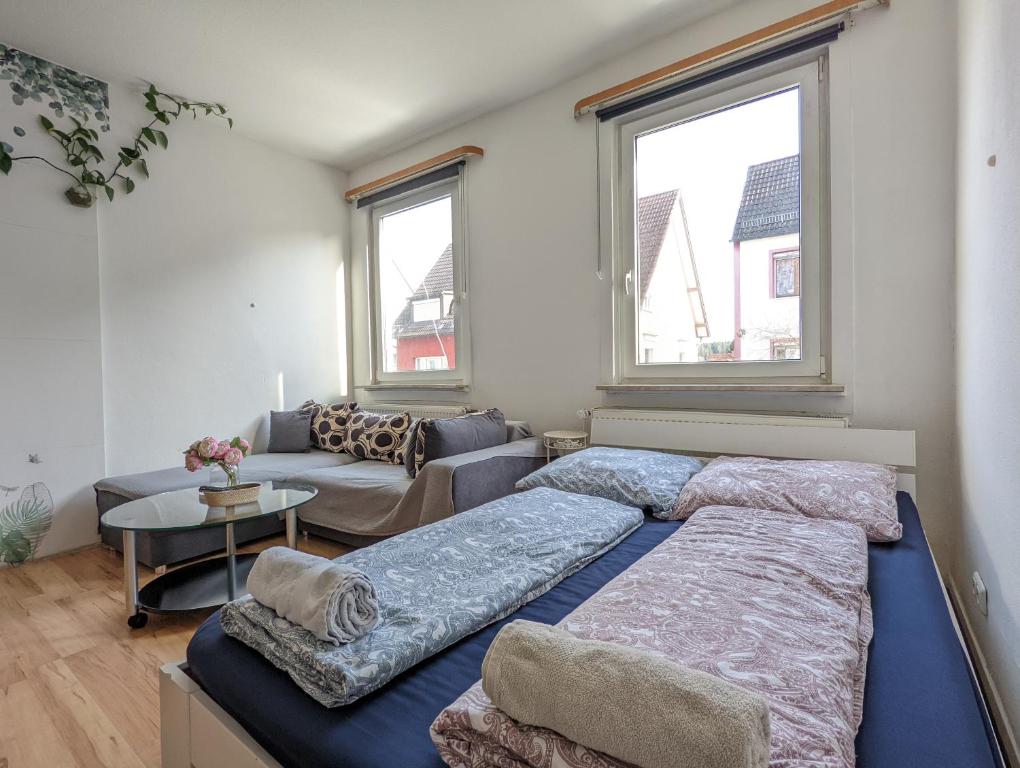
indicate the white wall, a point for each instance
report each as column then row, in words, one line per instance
column 532, row 236
column 224, row 223
column 51, row 401
column 988, row 350
column 762, row 317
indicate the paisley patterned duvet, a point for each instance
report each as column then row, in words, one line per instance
column 771, row 601
column 438, row 584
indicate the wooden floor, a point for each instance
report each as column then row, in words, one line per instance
column 77, row 686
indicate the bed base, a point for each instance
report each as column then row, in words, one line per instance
column 198, row 733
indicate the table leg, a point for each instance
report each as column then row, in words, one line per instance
column 231, row 561
column 291, row 518
column 136, row 619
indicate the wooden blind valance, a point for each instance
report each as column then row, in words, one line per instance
column 454, row 156
column 820, row 15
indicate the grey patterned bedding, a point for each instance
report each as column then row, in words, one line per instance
column 438, row 584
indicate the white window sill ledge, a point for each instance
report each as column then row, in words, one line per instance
column 808, row 389
column 392, row 385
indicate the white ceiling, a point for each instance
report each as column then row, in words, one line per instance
column 342, row 81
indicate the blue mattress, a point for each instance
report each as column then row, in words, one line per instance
column 921, row 705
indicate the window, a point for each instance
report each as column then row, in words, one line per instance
column 785, row 349
column 715, row 229
column 435, row 363
column 418, row 274
column 428, row 309
column 785, row 274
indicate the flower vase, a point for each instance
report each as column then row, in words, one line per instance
column 230, row 470
column 224, row 475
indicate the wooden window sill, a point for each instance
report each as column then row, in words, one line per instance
column 809, row 389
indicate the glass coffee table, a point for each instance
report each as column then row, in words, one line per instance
column 206, row 583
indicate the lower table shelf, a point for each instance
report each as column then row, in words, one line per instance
column 196, row 586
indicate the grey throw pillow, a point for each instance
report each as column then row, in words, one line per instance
column 439, row 438
column 290, row 431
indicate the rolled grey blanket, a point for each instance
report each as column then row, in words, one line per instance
column 335, row 603
column 631, row 705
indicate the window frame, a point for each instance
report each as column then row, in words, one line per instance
column 457, row 377
column 617, row 214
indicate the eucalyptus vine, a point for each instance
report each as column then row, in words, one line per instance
column 84, row 160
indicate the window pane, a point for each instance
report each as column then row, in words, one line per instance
column 718, row 235
column 415, row 288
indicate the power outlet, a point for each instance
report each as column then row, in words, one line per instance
column 980, row 592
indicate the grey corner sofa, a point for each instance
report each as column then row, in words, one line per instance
column 358, row 502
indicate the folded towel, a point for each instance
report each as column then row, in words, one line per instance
column 334, row 602
column 629, row 704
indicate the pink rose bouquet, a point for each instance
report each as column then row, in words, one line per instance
column 227, row 454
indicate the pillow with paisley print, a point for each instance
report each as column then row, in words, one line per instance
column 649, row 480
column 864, row 494
column 377, row 436
column 330, row 424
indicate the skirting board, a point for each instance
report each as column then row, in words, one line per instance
column 992, row 699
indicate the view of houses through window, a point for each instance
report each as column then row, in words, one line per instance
column 718, row 235
column 416, row 288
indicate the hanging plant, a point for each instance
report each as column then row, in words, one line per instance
column 83, row 158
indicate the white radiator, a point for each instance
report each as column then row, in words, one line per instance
column 746, row 434
column 715, row 417
column 419, row 410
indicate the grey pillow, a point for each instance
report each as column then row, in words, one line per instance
column 646, row 479
column 439, row 438
column 290, row 431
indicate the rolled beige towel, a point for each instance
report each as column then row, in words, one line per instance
column 630, row 704
column 335, row 603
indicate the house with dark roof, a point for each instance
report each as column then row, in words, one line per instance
column 669, row 329
column 424, row 330
column 766, row 263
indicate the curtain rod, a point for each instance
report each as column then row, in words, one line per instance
column 458, row 155
column 818, row 15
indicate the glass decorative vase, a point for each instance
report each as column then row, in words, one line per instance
column 224, row 474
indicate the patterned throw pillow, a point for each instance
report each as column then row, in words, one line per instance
column 864, row 494
column 313, row 408
column 405, row 453
column 329, row 425
column 376, row 436
column 648, row 480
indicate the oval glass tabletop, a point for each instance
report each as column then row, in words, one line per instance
column 179, row 510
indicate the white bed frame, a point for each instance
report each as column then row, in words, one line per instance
column 197, row 733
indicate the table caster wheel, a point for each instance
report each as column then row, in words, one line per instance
column 138, row 621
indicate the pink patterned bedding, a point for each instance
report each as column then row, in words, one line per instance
column 771, row 601
column 830, row 490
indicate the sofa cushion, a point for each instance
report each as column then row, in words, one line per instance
column 260, row 466
column 290, row 431
column 439, row 438
column 329, row 425
column 376, row 436
column 355, row 496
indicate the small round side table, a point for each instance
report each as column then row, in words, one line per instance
column 563, row 440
